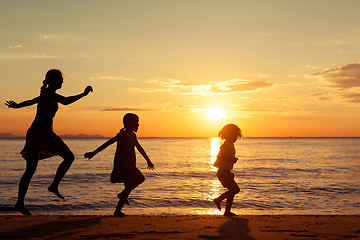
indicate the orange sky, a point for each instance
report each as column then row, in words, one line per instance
column 277, row 68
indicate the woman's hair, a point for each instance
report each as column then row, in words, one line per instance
column 230, row 130
column 51, row 75
column 129, row 118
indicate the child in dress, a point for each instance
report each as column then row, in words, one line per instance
column 125, row 170
column 224, row 162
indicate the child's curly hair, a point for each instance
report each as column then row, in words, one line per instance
column 230, row 130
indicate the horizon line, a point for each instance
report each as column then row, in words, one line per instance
column 105, row 137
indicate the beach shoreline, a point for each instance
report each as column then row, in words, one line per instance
column 246, row 227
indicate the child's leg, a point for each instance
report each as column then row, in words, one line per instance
column 31, row 166
column 123, row 199
column 223, row 196
column 226, row 178
column 68, row 157
column 123, row 196
column 229, row 202
column 233, row 190
column 131, row 184
column 219, row 199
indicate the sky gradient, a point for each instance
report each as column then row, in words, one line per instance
column 277, row 68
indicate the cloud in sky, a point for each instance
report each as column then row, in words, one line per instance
column 353, row 98
column 124, row 109
column 27, row 56
column 238, row 85
column 57, row 36
column 111, row 77
column 320, row 96
column 48, row 36
column 211, row 88
column 344, row 77
column 16, row 46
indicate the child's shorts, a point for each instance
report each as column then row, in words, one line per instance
column 226, row 177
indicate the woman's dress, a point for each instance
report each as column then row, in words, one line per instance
column 41, row 141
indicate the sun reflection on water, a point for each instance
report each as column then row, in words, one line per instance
column 207, row 212
column 214, row 150
column 214, row 185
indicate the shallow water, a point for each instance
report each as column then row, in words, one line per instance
column 275, row 175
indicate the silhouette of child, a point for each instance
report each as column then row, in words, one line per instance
column 41, row 141
column 224, row 162
column 125, row 170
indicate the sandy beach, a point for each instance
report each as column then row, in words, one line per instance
column 245, row 227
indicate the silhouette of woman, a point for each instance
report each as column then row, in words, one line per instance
column 41, row 141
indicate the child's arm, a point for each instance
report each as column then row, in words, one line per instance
column 12, row 104
column 68, row 100
column 89, row 155
column 143, row 153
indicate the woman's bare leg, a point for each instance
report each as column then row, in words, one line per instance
column 24, row 185
column 68, row 157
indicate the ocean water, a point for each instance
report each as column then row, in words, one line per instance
column 275, row 175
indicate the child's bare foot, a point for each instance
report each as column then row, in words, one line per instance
column 218, row 203
column 126, row 200
column 119, row 214
column 55, row 190
column 21, row 208
column 230, row 214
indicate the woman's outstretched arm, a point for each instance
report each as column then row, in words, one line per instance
column 12, row 104
column 89, row 155
column 68, row 100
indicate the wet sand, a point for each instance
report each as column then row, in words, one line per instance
column 245, row 227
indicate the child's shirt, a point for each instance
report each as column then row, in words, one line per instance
column 125, row 159
column 125, row 149
column 226, row 157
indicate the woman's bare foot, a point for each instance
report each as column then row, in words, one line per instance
column 230, row 214
column 55, row 190
column 21, row 208
column 217, row 203
column 119, row 214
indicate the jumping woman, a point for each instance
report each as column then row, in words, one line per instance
column 41, row 141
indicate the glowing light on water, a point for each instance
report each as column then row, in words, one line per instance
column 208, row 212
column 273, row 180
column 214, row 150
column 214, row 185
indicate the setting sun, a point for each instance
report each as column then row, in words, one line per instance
column 150, row 60
column 215, row 114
